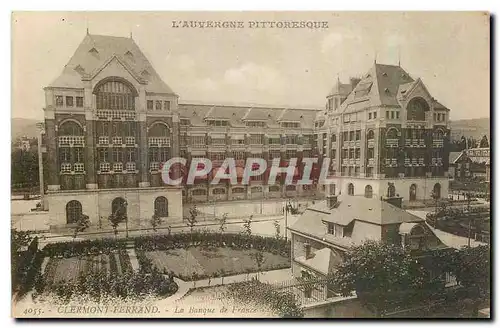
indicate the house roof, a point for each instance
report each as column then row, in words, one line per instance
column 237, row 115
column 322, row 261
column 95, row 51
column 340, row 88
column 454, row 156
column 372, row 210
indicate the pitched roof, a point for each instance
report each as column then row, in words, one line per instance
column 372, row 210
column 454, row 156
column 322, row 261
column 340, row 88
column 379, row 87
column 95, row 51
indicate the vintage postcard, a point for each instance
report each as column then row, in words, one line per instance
column 250, row 165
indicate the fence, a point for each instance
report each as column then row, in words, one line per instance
column 307, row 292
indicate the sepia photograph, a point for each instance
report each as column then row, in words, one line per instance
column 288, row 164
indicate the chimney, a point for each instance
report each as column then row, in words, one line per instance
column 307, row 249
column 354, row 82
column 331, row 201
column 395, row 201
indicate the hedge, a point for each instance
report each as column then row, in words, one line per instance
column 210, row 239
column 85, row 247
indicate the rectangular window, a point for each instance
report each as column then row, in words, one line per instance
column 218, row 141
column 387, row 114
column 291, row 154
column 351, row 135
column 150, row 105
column 117, row 155
column 130, row 155
column 69, row 101
column 79, row 101
column 103, row 155
column 78, row 155
column 369, row 116
column 334, row 154
column 238, row 155
column 158, row 105
column 167, row 105
column 256, row 139
column 64, row 155
column 59, row 101
column 345, row 135
column 331, row 228
column 397, row 115
column 274, row 154
column 358, row 134
column 198, row 141
column 392, row 114
column 374, row 115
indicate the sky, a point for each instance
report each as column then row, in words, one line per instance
column 278, row 67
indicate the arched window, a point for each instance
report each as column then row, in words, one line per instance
column 161, row 206
column 115, row 93
column 119, row 207
column 368, row 191
column 416, row 109
column 350, row 189
column 238, row 190
column 413, row 192
column 436, row 191
column 438, row 134
column 70, row 128
column 274, row 189
column 158, row 130
column 73, row 211
column 391, row 190
column 392, row 133
column 370, row 135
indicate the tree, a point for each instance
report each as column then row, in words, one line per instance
column 24, row 168
column 19, row 240
column 277, row 228
column 484, row 142
column 382, row 275
column 115, row 219
column 82, row 224
column 259, row 260
column 247, row 226
column 191, row 219
column 155, row 221
column 223, row 223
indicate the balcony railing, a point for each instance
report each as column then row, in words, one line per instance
column 130, row 166
column 407, row 162
column 117, row 167
column 154, row 166
column 371, row 161
column 357, row 143
column 371, row 143
column 421, row 142
column 117, row 140
column 438, row 143
column 129, row 141
column 79, row 167
column 108, row 114
column 414, row 162
column 392, row 142
column 71, row 141
column 391, row 162
column 357, row 161
column 159, row 141
column 104, row 167
column 421, row 162
column 103, row 140
column 345, row 161
column 66, row 167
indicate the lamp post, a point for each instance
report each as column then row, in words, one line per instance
column 41, row 128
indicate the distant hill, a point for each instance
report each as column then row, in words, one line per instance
column 24, row 127
column 475, row 128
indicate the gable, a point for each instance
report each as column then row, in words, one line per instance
column 114, row 68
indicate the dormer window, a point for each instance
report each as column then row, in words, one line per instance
column 335, row 229
column 129, row 56
column 384, row 74
column 80, row 69
column 94, row 51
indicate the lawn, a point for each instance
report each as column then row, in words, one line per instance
column 207, row 261
column 68, row 269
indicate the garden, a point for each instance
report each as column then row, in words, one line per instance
column 103, row 268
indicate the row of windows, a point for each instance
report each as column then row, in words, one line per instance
column 255, row 139
column 118, row 206
column 158, row 105
column 290, row 125
column 439, row 117
column 392, row 114
column 119, row 155
column 217, row 123
column 240, row 190
column 69, row 101
column 256, row 124
column 372, row 115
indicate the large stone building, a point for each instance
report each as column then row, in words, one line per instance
column 111, row 121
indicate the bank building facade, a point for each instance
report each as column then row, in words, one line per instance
column 111, row 121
